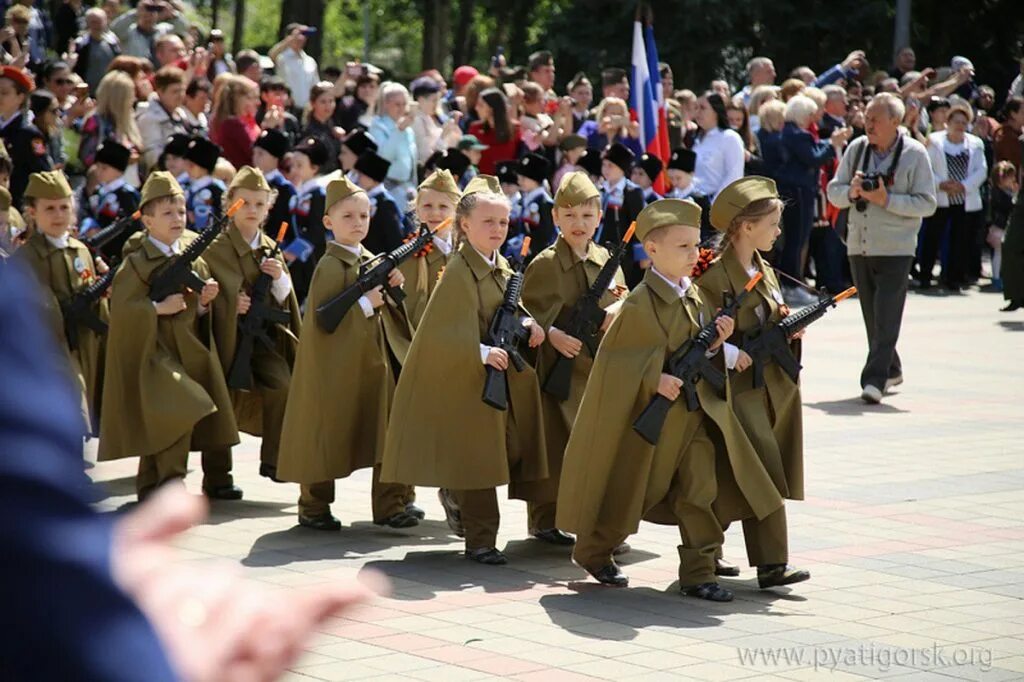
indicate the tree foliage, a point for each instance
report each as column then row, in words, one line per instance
column 701, row 39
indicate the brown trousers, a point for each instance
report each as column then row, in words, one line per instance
column 692, row 492
column 387, row 499
column 767, row 540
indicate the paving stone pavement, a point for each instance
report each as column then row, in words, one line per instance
column 913, row 531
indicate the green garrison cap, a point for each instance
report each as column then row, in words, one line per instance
column 737, row 196
column 48, row 185
column 483, row 183
column 443, row 181
column 339, row 190
column 5, row 199
column 248, row 177
column 664, row 212
column 575, row 189
column 158, row 185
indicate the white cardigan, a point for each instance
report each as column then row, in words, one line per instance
column 977, row 169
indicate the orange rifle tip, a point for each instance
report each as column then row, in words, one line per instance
column 526, row 247
column 282, row 230
column 846, row 294
column 444, row 224
column 235, row 206
column 629, row 233
column 753, row 282
column 137, row 214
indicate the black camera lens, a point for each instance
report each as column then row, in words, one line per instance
column 869, row 184
column 861, row 205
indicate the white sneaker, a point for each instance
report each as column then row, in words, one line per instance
column 893, row 383
column 871, row 395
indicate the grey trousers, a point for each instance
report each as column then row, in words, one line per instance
column 881, row 283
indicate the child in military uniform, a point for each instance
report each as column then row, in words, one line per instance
column 680, row 173
column 748, row 212
column 307, row 158
column 535, row 207
column 163, row 385
column 267, row 152
column 555, row 280
column 353, row 146
column 64, row 267
column 611, row 477
column 173, row 158
column 205, row 192
column 386, row 231
column 436, row 198
column 113, row 198
column 647, row 169
column 441, row 432
column 337, row 412
column 621, row 202
column 238, row 257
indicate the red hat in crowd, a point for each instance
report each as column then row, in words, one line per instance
column 463, row 75
column 20, row 78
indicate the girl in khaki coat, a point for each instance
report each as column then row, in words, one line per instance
column 342, row 385
column 747, row 212
column 441, row 432
column 64, row 267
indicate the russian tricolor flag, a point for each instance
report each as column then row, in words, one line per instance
column 647, row 98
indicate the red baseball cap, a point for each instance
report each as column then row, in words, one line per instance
column 463, row 75
column 21, row 79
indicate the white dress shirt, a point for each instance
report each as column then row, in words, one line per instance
column 444, row 245
column 299, row 71
column 60, row 242
column 720, row 160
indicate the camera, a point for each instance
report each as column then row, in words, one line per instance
column 869, row 183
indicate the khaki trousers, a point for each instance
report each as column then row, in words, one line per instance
column 387, row 499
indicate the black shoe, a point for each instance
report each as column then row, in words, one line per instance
column 780, row 574
column 1012, row 306
column 724, row 568
column 224, row 492
column 325, row 521
column 270, row 471
column 623, row 548
column 400, row 520
column 490, row 556
column 554, row 536
column 611, row 575
column 708, row 591
column 451, row 512
column 412, row 510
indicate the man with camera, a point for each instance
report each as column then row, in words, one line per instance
column 885, row 183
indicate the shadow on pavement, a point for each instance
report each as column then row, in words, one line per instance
column 853, row 407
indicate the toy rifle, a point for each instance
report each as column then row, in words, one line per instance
column 78, row 309
column 772, row 343
column 585, row 320
column 95, row 242
column 691, row 364
column 254, row 325
column 506, row 332
column 178, row 273
column 372, row 275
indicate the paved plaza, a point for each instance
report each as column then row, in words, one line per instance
column 913, row 531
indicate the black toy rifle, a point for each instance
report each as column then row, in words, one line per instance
column 691, row 364
column 506, row 332
column 178, row 273
column 98, row 240
column 374, row 274
column 254, row 325
column 772, row 343
column 78, row 309
column 585, row 320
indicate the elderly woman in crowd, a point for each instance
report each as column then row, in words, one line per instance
column 958, row 164
column 769, row 137
column 758, row 96
column 392, row 129
column 798, row 179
